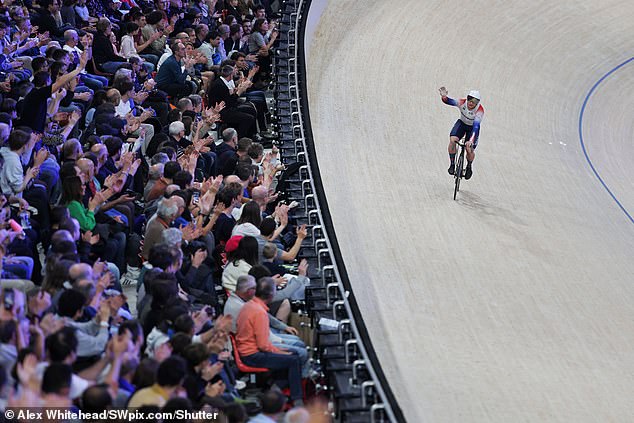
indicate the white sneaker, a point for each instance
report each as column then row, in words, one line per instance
column 131, row 276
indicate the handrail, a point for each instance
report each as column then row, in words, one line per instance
column 366, row 351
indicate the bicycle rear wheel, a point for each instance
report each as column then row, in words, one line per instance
column 458, row 173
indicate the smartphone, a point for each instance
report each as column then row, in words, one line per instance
column 195, row 196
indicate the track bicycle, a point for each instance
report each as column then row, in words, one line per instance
column 459, row 167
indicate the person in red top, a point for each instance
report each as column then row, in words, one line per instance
column 252, row 339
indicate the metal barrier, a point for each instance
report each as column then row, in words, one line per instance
column 375, row 393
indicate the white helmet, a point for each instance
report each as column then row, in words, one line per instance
column 475, row 94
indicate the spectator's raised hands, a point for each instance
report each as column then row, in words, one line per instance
column 103, row 282
column 149, row 84
column 223, row 323
column 120, row 343
column 215, row 389
column 280, row 281
column 134, row 167
column 209, row 371
column 27, row 372
column 33, row 172
column 83, row 59
column 75, row 116
column 443, row 92
column 244, row 85
column 141, row 96
column 50, row 324
column 5, row 86
column 98, row 267
column 40, row 157
column 132, row 125
column 302, row 232
column 198, row 258
column 96, row 201
column 103, row 314
column 254, row 70
column 189, row 232
column 83, row 96
column 89, row 238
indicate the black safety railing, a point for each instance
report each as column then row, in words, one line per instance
column 351, row 372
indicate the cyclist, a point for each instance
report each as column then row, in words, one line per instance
column 468, row 125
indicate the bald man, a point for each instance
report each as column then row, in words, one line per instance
column 80, row 271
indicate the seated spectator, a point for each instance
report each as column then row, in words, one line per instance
column 224, row 90
column 253, row 339
column 92, row 336
column 171, row 77
column 103, row 52
column 242, row 254
column 169, row 379
column 273, row 403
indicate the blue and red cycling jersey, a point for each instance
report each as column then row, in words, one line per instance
column 471, row 118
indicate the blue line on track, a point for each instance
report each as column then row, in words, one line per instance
column 583, row 146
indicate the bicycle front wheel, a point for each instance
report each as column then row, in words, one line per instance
column 458, row 175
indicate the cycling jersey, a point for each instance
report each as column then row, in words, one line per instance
column 468, row 117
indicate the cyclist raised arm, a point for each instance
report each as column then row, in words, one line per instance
column 468, row 125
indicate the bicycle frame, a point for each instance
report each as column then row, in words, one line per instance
column 459, row 167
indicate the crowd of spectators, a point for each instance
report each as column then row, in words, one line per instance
column 133, row 160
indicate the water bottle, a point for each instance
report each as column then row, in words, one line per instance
column 25, row 220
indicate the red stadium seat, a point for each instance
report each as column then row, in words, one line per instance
column 241, row 366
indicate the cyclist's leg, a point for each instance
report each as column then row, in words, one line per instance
column 470, row 155
column 470, row 158
column 457, row 132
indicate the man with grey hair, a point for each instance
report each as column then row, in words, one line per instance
column 197, row 102
column 223, row 31
column 177, row 132
column 227, row 156
column 154, row 174
column 71, row 40
column 160, row 158
column 172, row 237
column 224, row 89
column 4, row 132
column 166, row 213
column 280, row 335
column 252, row 339
column 297, row 415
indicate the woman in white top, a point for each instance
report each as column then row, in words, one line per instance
column 239, row 261
column 250, row 220
column 128, row 47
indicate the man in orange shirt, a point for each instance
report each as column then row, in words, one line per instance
column 252, row 338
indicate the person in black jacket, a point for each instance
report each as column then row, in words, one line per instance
column 224, row 89
column 46, row 21
column 102, row 51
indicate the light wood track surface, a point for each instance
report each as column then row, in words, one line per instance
column 516, row 302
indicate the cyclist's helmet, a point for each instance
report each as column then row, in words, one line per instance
column 474, row 95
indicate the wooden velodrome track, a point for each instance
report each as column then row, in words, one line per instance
column 516, row 302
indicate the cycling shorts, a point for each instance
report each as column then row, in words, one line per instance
column 461, row 129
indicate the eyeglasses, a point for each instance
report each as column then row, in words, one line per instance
column 469, row 98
